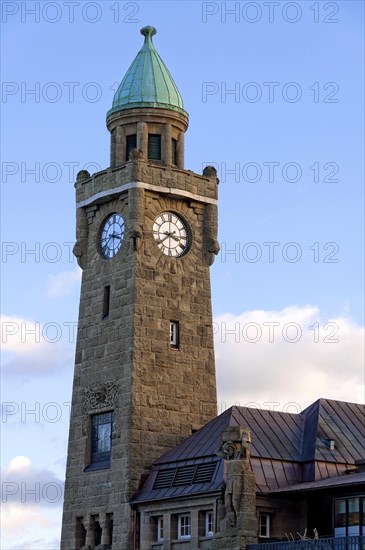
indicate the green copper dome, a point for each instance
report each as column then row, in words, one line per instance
column 147, row 82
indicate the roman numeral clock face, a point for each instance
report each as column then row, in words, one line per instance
column 171, row 234
column 111, row 235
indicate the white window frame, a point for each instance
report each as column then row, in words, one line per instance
column 160, row 529
column 183, row 526
column 174, row 334
column 209, row 523
column 267, row 525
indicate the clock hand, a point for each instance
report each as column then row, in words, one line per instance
column 107, row 240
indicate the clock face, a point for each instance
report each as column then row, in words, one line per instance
column 111, row 235
column 171, row 234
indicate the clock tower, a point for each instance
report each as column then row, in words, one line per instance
column 144, row 378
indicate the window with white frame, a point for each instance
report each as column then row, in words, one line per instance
column 264, row 525
column 209, row 523
column 174, row 334
column 184, row 526
column 160, row 529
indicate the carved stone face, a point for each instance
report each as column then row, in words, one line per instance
column 230, row 449
column 100, row 393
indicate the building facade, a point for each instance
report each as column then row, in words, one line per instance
column 306, row 477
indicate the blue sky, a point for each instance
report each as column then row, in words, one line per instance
column 275, row 100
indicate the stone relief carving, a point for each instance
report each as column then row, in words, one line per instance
column 235, row 450
column 80, row 251
column 82, row 229
column 136, row 199
column 210, row 231
column 100, row 396
column 135, row 155
column 97, row 397
column 82, row 175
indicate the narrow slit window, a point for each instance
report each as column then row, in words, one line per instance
column 160, row 529
column 106, row 302
column 174, row 334
column 174, row 152
column 154, row 147
column 209, row 524
column 131, row 144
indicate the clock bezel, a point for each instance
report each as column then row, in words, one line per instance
column 100, row 233
column 186, row 225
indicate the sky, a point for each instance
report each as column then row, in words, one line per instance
column 274, row 92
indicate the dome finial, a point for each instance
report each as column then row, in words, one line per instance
column 147, row 83
column 148, row 32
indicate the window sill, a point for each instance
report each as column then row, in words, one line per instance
column 97, row 466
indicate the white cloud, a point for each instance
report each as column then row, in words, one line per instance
column 291, row 355
column 21, row 526
column 19, row 463
column 24, row 484
column 31, row 500
column 31, row 348
column 64, row 283
column 39, row 544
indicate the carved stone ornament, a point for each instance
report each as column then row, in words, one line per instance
column 135, row 234
column 82, row 175
column 80, row 251
column 210, row 171
column 235, row 450
column 100, row 396
column 135, row 155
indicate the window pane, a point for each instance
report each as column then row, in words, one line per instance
column 174, row 333
column 101, row 430
column 264, row 525
column 173, row 151
column 131, row 144
column 354, row 511
column 340, row 513
column 104, row 443
column 160, row 528
column 209, row 525
column 154, row 147
column 184, row 527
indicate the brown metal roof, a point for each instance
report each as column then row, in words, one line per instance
column 357, row 479
column 287, row 449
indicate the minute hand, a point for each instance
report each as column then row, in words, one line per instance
column 174, row 237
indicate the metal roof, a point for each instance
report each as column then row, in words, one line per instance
column 287, row 449
column 340, row 481
column 148, row 82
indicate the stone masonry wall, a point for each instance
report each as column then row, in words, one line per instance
column 157, row 393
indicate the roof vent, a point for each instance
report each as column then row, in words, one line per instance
column 185, row 475
column 330, row 444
